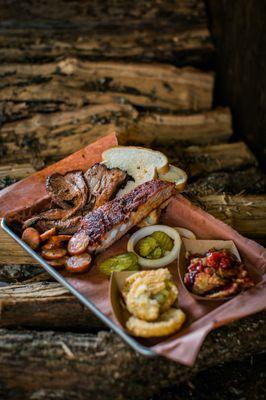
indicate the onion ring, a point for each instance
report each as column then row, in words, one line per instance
column 169, row 257
column 185, row 233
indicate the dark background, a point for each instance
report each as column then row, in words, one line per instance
column 239, row 33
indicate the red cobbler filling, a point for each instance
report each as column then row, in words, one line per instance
column 216, row 274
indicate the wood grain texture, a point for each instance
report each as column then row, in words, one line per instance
column 246, row 181
column 246, row 214
column 109, row 29
column 101, row 364
column 202, row 128
column 71, row 83
column 45, row 305
column 16, row 171
column 221, row 157
column 55, row 135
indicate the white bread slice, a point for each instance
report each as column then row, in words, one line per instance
column 175, row 175
column 140, row 163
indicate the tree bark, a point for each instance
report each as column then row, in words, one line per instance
column 221, row 157
column 45, row 136
column 70, row 84
column 81, row 366
column 246, row 214
column 106, row 30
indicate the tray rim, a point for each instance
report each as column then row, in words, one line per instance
column 134, row 344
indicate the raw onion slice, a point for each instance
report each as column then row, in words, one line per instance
column 185, row 233
column 169, row 257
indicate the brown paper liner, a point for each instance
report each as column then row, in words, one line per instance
column 29, row 194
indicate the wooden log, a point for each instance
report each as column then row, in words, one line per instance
column 11, row 252
column 248, row 181
column 34, row 361
column 105, row 12
column 16, row 171
column 75, row 83
column 48, row 135
column 220, row 157
column 246, row 214
column 22, row 273
column 202, row 128
column 45, row 305
column 106, row 30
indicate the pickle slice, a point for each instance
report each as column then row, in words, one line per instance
column 122, row 262
column 146, row 246
column 163, row 240
column 158, row 252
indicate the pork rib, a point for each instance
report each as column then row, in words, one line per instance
column 108, row 223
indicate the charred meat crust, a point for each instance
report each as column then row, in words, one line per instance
column 96, row 225
column 68, row 227
column 103, row 183
column 70, row 191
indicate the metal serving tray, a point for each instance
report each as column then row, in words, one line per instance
column 87, row 303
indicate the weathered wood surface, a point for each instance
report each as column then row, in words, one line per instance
column 110, row 30
column 47, row 136
column 107, row 12
column 247, row 214
column 70, row 361
column 202, row 128
column 246, row 181
column 221, row 157
column 16, row 171
column 71, row 84
column 46, row 305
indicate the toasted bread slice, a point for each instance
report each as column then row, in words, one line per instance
column 175, row 175
column 140, row 163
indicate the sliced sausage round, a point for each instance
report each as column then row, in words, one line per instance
column 55, row 242
column 47, row 234
column 58, row 264
column 78, row 243
column 78, row 264
column 32, row 237
column 53, row 254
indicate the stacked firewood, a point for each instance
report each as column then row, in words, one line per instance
column 70, row 73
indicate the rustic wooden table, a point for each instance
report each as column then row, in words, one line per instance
column 64, row 83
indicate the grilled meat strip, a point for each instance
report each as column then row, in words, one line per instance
column 63, row 227
column 103, row 183
column 105, row 225
column 68, row 191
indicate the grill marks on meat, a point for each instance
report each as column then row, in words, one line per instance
column 103, row 183
column 105, row 225
column 66, row 227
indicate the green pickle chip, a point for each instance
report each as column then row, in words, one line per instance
column 146, row 245
column 156, row 253
column 122, row 262
column 163, row 240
